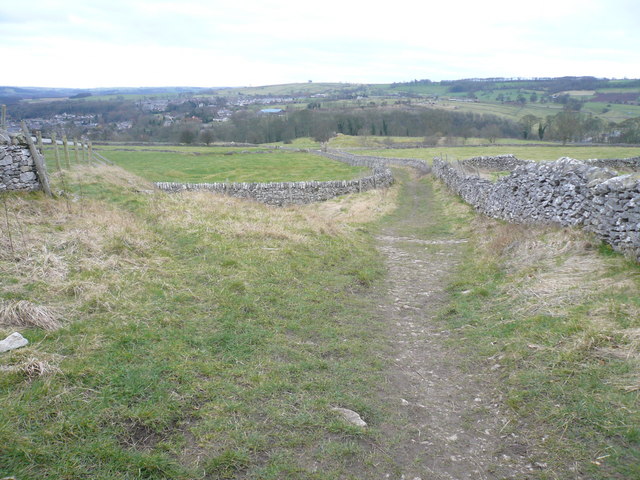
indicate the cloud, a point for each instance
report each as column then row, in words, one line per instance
column 209, row 43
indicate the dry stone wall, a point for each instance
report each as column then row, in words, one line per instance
column 565, row 192
column 373, row 162
column 287, row 193
column 500, row 162
column 17, row 169
column 632, row 164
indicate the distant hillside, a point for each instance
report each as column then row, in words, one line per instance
column 10, row 94
column 585, row 109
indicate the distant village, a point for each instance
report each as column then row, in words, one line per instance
column 168, row 111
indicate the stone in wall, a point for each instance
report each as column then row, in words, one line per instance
column 616, row 212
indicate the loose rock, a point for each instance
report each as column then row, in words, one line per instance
column 350, row 416
column 13, row 341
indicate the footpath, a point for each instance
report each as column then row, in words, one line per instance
column 448, row 422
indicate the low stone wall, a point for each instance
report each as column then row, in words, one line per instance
column 376, row 162
column 498, row 163
column 632, row 164
column 287, row 193
column 509, row 162
column 565, row 192
column 17, row 169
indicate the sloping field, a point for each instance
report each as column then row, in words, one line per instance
column 524, row 152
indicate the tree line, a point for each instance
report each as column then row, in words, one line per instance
column 244, row 125
column 250, row 127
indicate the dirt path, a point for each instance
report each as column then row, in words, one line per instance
column 449, row 423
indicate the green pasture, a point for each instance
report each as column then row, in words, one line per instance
column 223, row 165
column 615, row 112
column 287, row 89
column 196, row 149
column 524, row 152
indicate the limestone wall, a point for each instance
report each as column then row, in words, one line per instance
column 287, row 193
column 565, row 192
column 17, row 169
column 499, row 162
column 617, row 163
column 372, row 161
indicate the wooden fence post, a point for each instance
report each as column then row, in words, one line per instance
column 84, row 154
column 38, row 161
column 75, row 148
column 90, row 153
column 39, row 138
column 65, row 144
column 54, row 141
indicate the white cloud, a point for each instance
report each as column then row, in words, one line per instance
column 213, row 43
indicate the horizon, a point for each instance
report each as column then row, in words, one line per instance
column 478, row 79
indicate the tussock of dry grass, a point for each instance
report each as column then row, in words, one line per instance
column 49, row 243
column 34, row 368
column 25, row 314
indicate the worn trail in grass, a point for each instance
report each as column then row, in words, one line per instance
column 448, row 419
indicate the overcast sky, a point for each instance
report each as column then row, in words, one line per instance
column 96, row 43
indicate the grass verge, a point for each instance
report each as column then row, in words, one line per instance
column 557, row 317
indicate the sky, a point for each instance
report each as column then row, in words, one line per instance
column 135, row 43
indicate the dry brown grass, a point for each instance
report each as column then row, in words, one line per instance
column 360, row 208
column 111, row 175
column 53, row 242
column 50, row 242
column 34, row 368
column 23, row 313
column 553, row 269
column 244, row 218
column 209, row 213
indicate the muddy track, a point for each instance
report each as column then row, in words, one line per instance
column 449, row 421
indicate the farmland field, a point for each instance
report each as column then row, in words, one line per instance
column 218, row 164
column 530, row 152
column 197, row 336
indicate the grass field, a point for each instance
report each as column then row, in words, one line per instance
column 220, row 164
column 550, row 152
column 308, row 88
column 177, row 148
column 200, row 336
